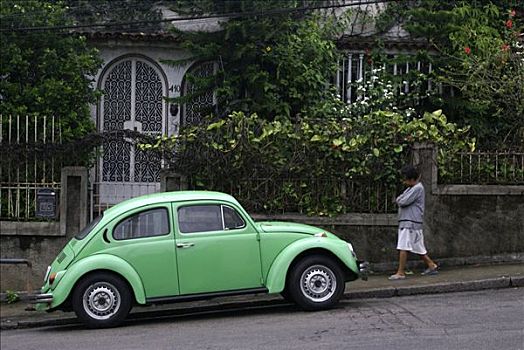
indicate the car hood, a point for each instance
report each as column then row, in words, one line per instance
column 290, row 227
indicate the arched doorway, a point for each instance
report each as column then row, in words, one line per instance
column 133, row 87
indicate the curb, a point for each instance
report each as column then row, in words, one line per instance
column 387, row 292
column 517, row 281
column 438, row 288
column 6, row 325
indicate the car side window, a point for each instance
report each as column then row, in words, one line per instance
column 205, row 218
column 232, row 220
column 148, row 223
column 199, row 218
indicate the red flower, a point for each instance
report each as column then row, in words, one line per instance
column 467, row 50
column 505, row 47
column 512, row 13
column 509, row 24
column 369, row 58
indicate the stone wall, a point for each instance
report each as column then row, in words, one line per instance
column 476, row 225
column 40, row 242
column 39, row 250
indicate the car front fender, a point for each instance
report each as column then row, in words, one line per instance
column 92, row 263
column 276, row 278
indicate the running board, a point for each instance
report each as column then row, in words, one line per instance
column 200, row 296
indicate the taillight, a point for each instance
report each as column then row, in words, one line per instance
column 52, row 278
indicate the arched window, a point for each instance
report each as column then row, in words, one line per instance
column 192, row 112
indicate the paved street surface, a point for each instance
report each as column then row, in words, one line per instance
column 491, row 319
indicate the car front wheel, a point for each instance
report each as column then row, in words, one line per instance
column 101, row 300
column 316, row 282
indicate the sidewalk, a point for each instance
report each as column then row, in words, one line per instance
column 456, row 279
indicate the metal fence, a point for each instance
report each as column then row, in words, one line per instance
column 307, row 196
column 24, row 170
column 354, row 68
column 482, row 168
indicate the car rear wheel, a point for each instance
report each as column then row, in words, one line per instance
column 101, row 300
column 316, row 282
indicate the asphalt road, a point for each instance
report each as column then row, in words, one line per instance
column 492, row 319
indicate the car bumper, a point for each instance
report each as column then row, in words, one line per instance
column 363, row 270
column 46, row 298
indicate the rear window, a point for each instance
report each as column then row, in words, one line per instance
column 85, row 231
column 149, row 223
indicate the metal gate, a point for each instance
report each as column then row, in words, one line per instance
column 133, row 100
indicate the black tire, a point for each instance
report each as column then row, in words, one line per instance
column 316, row 282
column 101, row 300
column 286, row 295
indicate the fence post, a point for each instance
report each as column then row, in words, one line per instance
column 172, row 181
column 425, row 160
column 73, row 200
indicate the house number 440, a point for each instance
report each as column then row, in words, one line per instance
column 175, row 88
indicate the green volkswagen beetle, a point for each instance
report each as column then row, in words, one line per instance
column 179, row 246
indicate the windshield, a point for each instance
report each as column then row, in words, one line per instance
column 82, row 234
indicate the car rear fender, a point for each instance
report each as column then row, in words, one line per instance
column 276, row 279
column 105, row 262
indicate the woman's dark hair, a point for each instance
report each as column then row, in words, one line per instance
column 409, row 172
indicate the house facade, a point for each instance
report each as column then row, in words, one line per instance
column 137, row 83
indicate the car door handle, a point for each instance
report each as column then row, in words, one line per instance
column 185, row 245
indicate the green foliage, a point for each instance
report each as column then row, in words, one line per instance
column 45, row 72
column 481, row 58
column 11, row 297
column 116, row 11
column 488, row 70
column 275, row 66
column 240, row 148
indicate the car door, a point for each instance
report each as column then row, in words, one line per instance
column 144, row 237
column 217, row 249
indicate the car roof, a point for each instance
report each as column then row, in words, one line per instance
column 163, row 197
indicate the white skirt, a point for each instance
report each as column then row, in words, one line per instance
column 411, row 240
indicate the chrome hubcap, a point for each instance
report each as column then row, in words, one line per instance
column 101, row 300
column 318, row 283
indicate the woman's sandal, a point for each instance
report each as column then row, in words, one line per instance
column 396, row 277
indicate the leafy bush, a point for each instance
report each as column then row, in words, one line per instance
column 278, row 65
column 45, row 73
column 480, row 55
column 242, row 148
